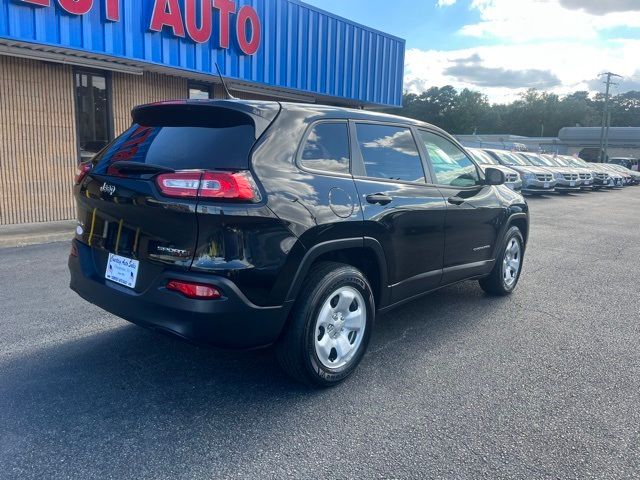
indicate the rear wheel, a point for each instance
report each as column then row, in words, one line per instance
column 330, row 326
column 506, row 272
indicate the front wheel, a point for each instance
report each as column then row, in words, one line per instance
column 506, row 272
column 330, row 326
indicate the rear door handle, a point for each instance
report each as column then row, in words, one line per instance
column 380, row 198
column 456, row 200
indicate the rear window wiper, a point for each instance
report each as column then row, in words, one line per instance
column 139, row 168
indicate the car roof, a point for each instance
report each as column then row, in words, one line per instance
column 265, row 108
column 355, row 114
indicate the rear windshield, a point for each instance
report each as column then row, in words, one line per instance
column 182, row 147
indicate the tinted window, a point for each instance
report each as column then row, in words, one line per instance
column 327, row 148
column 450, row 164
column 389, row 153
column 182, row 147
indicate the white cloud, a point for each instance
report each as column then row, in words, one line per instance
column 552, row 44
column 525, row 20
column 446, row 3
column 600, row 7
column 575, row 64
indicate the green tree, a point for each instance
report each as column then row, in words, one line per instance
column 468, row 111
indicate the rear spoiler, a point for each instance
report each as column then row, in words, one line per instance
column 207, row 113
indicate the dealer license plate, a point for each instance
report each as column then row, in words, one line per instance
column 572, row 184
column 546, row 184
column 122, row 270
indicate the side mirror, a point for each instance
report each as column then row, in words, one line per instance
column 493, row 176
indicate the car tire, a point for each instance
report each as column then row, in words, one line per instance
column 504, row 277
column 320, row 345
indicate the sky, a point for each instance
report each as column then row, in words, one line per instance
column 503, row 47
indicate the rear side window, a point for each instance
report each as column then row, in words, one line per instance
column 389, row 152
column 327, row 148
column 182, row 147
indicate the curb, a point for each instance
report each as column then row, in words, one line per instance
column 36, row 233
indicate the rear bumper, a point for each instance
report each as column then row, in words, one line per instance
column 231, row 322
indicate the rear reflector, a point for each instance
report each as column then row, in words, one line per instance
column 81, row 171
column 194, row 290
column 224, row 185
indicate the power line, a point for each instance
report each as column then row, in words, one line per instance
column 606, row 117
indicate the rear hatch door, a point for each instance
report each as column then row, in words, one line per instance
column 125, row 209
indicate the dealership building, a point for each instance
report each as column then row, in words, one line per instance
column 581, row 141
column 71, row 70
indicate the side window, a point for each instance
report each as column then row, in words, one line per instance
column 389, row 152
column 327, row 148
column 450, row 164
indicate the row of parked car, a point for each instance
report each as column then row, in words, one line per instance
column 534, row 173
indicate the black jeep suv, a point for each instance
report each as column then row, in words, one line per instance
column 243, row 224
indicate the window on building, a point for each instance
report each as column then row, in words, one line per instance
column 199, row 91
column 390, row 152
column 93, row 111
column 327, row 148
column 450, row 164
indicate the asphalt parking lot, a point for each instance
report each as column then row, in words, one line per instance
column 543, row 384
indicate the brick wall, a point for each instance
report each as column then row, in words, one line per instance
column 38, row 150
column 37, row 141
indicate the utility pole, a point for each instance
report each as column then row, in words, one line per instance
column 604, row 137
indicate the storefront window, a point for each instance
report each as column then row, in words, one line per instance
column 93, row 112
column 198, row 91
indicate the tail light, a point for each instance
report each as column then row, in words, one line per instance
column 179, row 184
column 222, row 185
column 194, row 290
column 81, row 171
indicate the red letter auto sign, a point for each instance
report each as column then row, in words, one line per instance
column 195, row 22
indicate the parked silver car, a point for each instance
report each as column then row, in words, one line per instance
column 567, row 178
column 535, row 180
column 601, row 178
column 617, row 179
column 586, row 175
column 632, row 174
column 512, row 177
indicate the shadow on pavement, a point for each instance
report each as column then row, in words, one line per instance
column 138, row 394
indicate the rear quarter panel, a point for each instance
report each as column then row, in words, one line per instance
column 314, row 207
